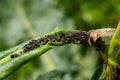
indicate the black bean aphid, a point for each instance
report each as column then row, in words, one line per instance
column 14, row 55
column 65, row 37
column 117, row 73
column 31, row 45
column 99, row 44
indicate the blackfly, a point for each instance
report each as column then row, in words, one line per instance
column 65, row 37
column 14, row 55
column 95, row 39
column 31, row 45
column 99, row 44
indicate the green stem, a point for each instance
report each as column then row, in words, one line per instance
column 10, row 65
column 4, row 55
column 14, row 64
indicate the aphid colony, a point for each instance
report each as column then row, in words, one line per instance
column 65, row 37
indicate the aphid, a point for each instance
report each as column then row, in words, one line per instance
column 31, row 45
column 81, row 36
column 14, row 55
column 99, row 44
column 44, row 41
column 58, row 37
column 95, row 34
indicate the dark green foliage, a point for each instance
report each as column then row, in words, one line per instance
column 97, row 73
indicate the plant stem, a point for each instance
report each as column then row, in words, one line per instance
column 12, row 65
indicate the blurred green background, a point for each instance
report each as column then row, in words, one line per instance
column 21, row 20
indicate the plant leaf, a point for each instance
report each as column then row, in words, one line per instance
column 97, row 73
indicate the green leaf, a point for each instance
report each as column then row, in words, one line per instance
column 103, row 75
column 114, row 49
column 97, row 73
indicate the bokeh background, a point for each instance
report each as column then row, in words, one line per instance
column 21, row 20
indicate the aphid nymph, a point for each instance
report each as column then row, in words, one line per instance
column 14, row 55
